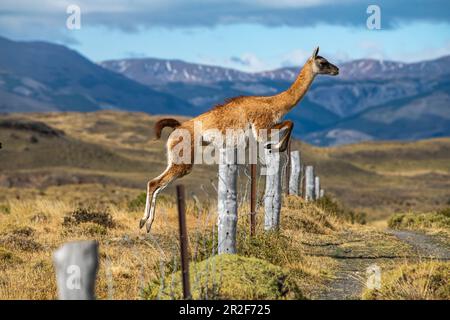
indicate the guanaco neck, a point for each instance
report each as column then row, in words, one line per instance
column 289, row 98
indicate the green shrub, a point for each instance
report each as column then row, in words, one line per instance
column 4, row 208
column 228, row 276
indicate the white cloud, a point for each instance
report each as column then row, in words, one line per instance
column 249, row 62
column 134, row 14
column 295, row 58
column 373, row 50
column 427, row 53
column 292, row 3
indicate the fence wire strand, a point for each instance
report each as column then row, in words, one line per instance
column 203, row 239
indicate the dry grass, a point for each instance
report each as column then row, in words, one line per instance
column 307, row 247
column 117, row 149
column 437, row 221
column 126, row 255
column 127, row 262
column 104, row 161
column 421, row 281
column 130, row 259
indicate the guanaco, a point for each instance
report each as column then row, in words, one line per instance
column 246, row 112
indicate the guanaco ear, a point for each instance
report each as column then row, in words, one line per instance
column 315, row 53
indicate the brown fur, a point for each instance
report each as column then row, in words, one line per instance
column 237, row 113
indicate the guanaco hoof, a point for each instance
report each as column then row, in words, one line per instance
column 149, row 226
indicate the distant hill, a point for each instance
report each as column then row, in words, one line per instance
column 369, row 100
column 41, row 150
column 411, row 98
column 40, row 76
column 156, row 71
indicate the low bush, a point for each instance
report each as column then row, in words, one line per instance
column 85, row 215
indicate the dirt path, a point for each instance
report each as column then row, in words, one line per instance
column 351, row 277
column 424, row 245
column 349, row 280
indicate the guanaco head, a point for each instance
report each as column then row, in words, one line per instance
column 322, row 66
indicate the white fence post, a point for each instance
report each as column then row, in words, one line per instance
column 322, row 193
column 227, row 201
column 309, row 183
column 317, row 188
column 76, row 265
column 301, row 190
column 272, row 194
column 294, row 176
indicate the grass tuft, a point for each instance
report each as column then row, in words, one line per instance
column 8, row 258
column 421, row 221
column 333, row 207
column 422, row 281
column 21, row 239
column 5, row 209
column 88, row 215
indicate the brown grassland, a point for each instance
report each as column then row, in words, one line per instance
column 85, row 183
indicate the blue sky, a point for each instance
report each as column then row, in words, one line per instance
column 249, row 35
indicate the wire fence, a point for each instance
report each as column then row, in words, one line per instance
column 203, row 239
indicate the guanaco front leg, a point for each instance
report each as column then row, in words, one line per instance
column 285, row 130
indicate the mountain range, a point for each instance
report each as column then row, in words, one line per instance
column 40, row 76
column 369, row 100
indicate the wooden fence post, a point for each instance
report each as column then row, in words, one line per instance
column 253, row 199
column 322, row 193
column 301, row 190
column 288, row 168
column 181, row 203
column 309, row 183
column 294, row 176
column 76, row 265
column 317, row 188
column 227, row 201
column 272, row 194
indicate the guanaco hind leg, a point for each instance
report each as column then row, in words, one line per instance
column 155, row 186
